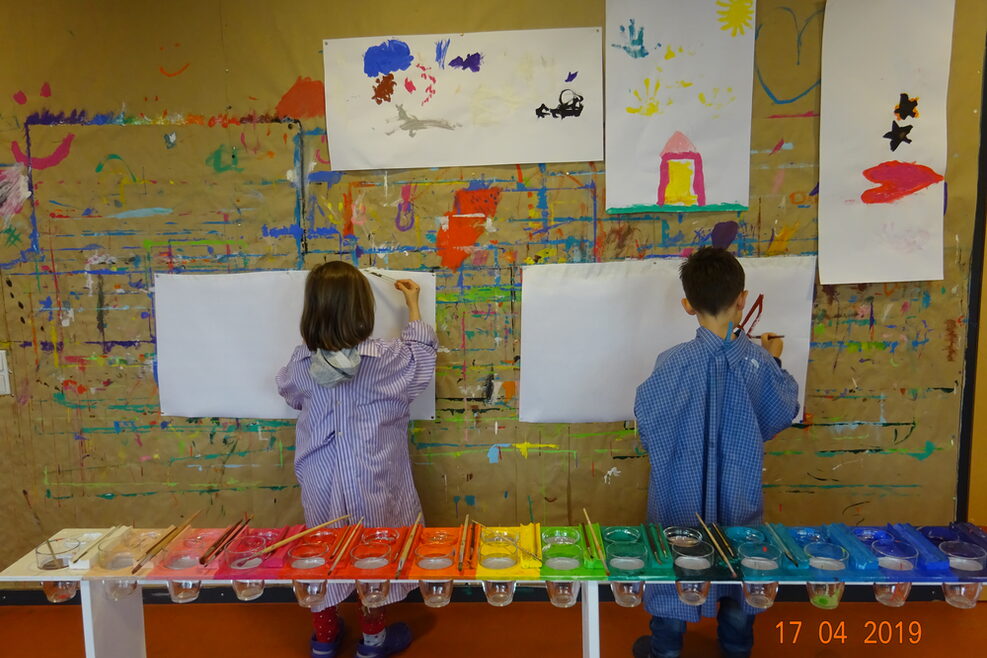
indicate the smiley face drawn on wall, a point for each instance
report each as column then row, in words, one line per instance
column 171, row 66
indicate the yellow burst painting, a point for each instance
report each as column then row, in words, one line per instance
column 735, row 15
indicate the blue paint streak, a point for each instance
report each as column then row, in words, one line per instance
column 441, row 49
column 493, row 455
column 391, row 55
column 140, row 212
column 328, row 177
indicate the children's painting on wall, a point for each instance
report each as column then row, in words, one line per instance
column 882, row 141
column 603, row 324
column 678, row 104
column 464, row 99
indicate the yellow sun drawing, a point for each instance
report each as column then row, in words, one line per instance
column 736, row 15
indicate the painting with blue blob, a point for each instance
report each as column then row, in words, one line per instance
column 391, row 55
column 441, row 50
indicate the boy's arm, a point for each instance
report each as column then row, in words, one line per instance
column 778, row 401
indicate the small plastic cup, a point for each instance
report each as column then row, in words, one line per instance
column 561, row 536
column 498, row 553
column 183, row 559
column 682, row 537
column 961, row 595
column 626, row 558
column 373, row 593
column 825, row 596
column 742, row 535
column 826, row 557
column 59, row 591
column 562, row 557
column 562, row 593
column 692, row 592
column 307, row 556
column 248, row 590
column 380, row 535
column 509, row 535
column 693, row 558
column 499, row 592
column 622, row 534
column 627, row 594
column 184, row 591
column 117, row 589
column 964, row 556
column 435, row 557
column 894, row 555
column 435, row 593
column 892, row 595
column 55, row 554
column 437, row 537
column 760, row 564
column 242, row 553
column 370, row 556
column 309, row 592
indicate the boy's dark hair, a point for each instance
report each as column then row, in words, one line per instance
column 339, row 307
column 712, row 279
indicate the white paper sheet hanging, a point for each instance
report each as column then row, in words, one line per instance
column 438, row 100
column 678, row 88
column 882, row 140
column 221, row 339
column 590, row 333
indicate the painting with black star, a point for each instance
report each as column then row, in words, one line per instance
column 906, row 107
column 897, row 135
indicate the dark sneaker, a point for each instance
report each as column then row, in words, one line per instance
column 397, row 639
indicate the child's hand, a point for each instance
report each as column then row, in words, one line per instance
column 773, row 344
column 410, row 290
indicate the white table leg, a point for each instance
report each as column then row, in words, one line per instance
column 112, row 629
column 591, row 619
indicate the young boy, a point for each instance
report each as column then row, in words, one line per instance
column 703, row 416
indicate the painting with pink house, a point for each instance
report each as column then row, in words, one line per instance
column 678, row 95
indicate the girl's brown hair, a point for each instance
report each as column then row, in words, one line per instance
column 339, row 307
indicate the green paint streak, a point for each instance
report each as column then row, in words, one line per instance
column 531, row 509
column 783, row 453
column 839, row 486
column 60, row 399
column 216, row 160
column 140, row 408
column 12, row 236
column 921, row 456
column 114, row 156
column 715, row 207
column 477, row 294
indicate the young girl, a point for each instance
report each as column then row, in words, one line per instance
column 351, row 440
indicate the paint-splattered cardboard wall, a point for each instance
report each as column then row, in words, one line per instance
column 189, row 137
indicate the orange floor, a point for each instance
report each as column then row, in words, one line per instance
column 477, row 630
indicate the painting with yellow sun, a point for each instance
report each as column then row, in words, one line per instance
column 735, row 15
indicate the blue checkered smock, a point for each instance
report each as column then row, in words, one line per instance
column 703, row 416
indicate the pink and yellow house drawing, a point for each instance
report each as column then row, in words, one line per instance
column 680, row 174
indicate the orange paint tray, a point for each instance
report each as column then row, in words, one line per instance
column 268, row 566
column 366, row 557
column 435, row 556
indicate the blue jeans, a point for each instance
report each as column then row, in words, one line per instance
column 734, row 630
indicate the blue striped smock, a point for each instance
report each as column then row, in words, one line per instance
column 703, row 416
column 351, row 440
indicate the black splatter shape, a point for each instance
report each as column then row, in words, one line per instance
column 906, row 107
column 898, row 134
column 570, row 105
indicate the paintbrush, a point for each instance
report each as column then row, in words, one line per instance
column 163, row 543
column 407, row 543
column 377, row 274
column 716, row 545
column 225, row 542
column 346, row 544
column 781, row 544
column 295, row 536
column 37, row 519
column 472, row 558
column 219, row 540
column 93, row 543
column 653, row 543
column 661, row 543
column 462, row 542
column 596, row 543
column 723, row 538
